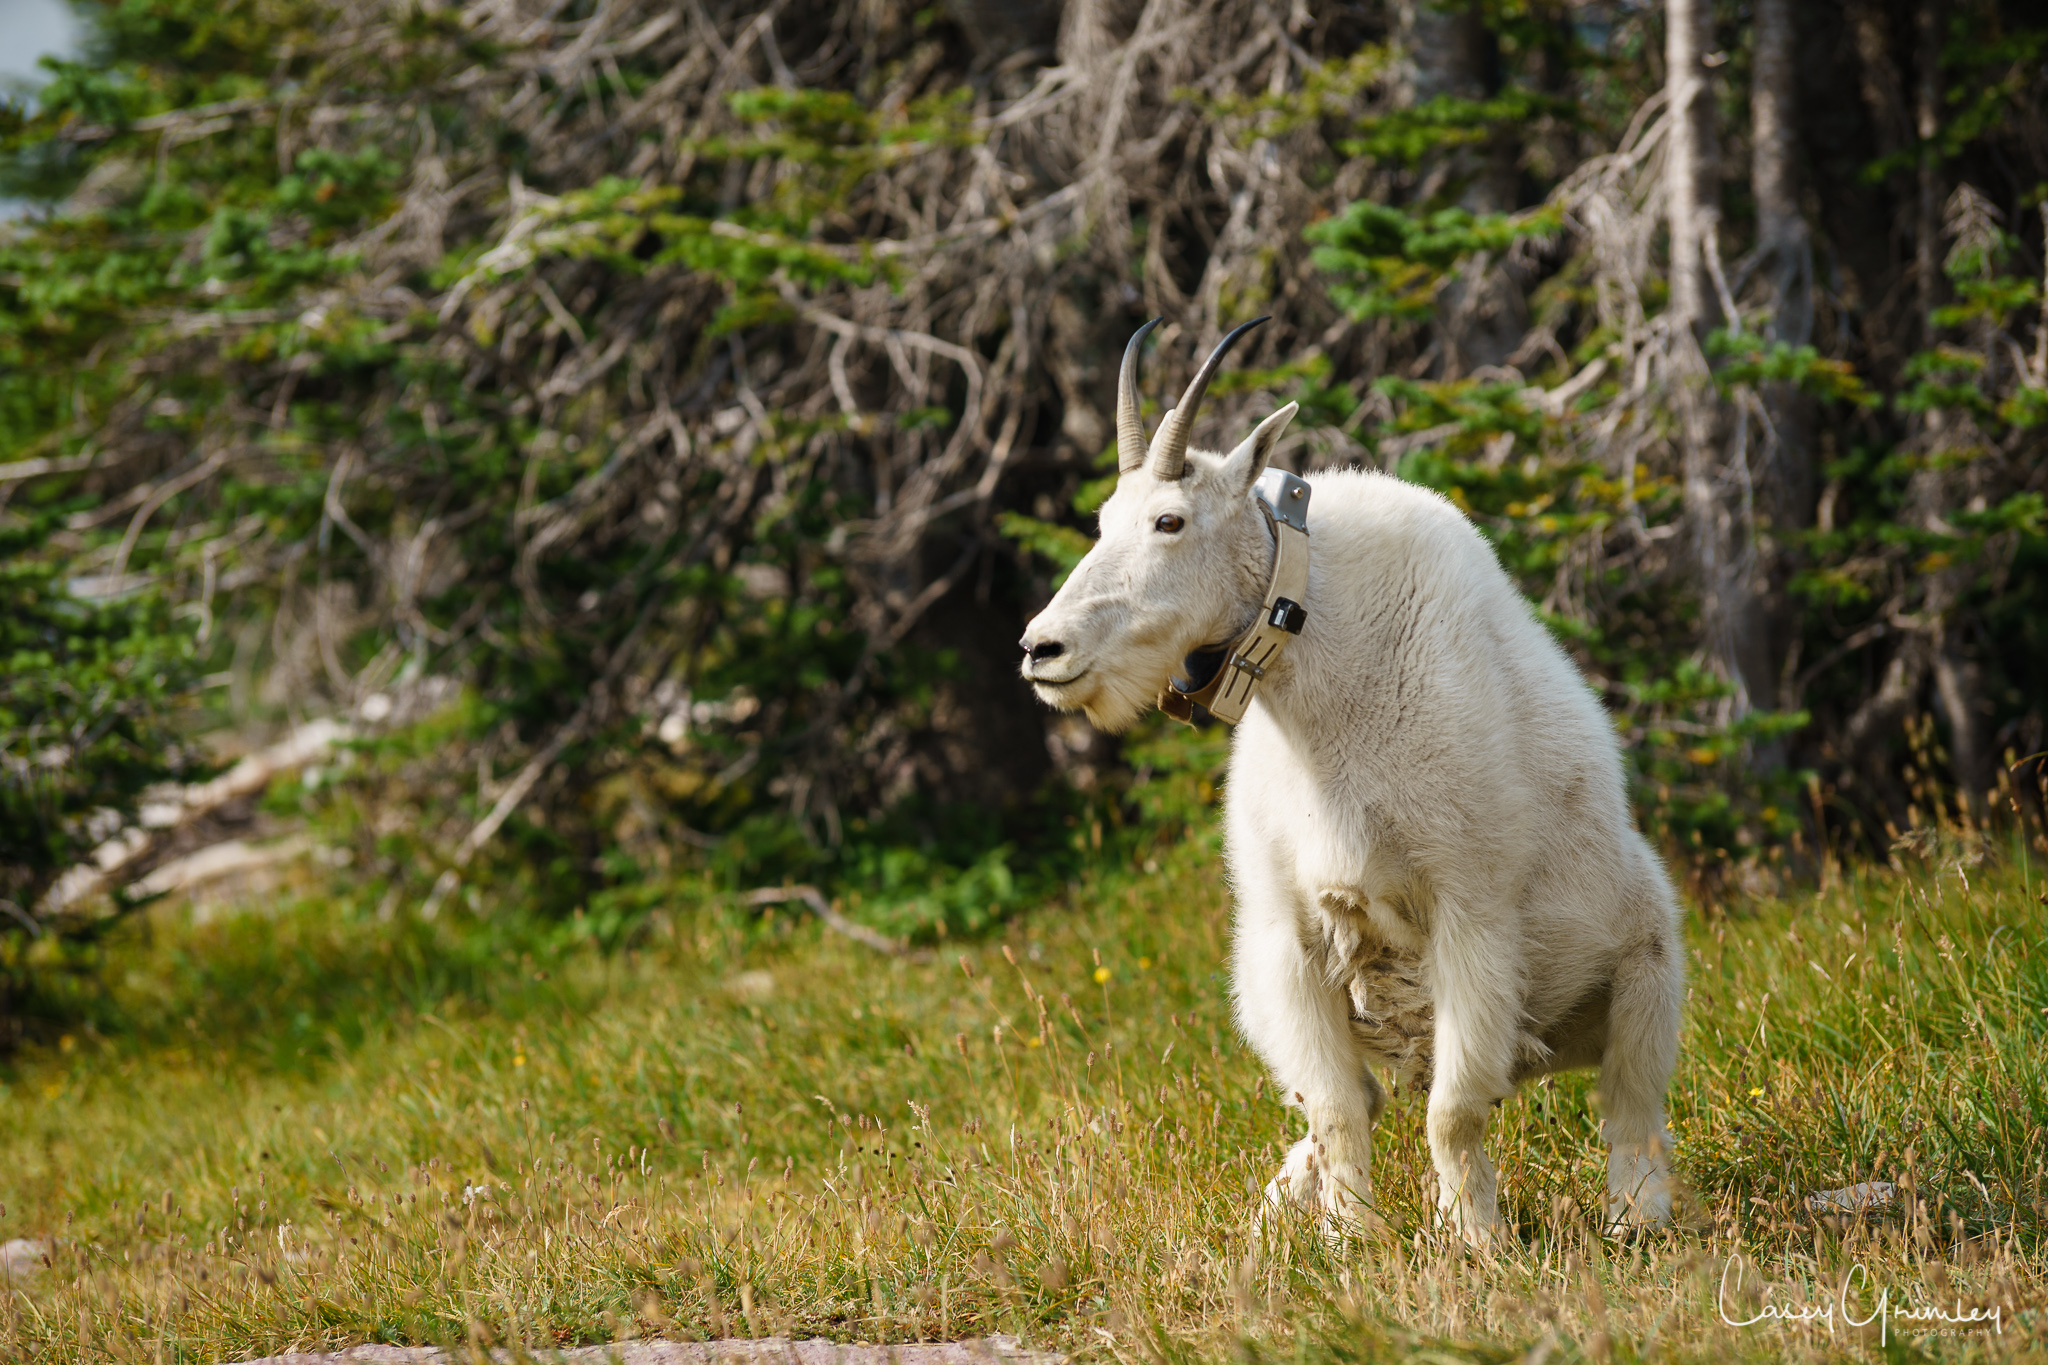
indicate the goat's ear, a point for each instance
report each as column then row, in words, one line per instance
column 1242, row 467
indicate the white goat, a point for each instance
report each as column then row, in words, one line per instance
column 1435, row 866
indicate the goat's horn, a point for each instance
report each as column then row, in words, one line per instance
column 1130, row 427
column 1170, row 443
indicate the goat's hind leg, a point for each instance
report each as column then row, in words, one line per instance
column 1642, row 1046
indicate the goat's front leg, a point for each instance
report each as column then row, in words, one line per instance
column 1476, row 981
column 1301, row 1025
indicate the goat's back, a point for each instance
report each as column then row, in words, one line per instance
column 1427, row 674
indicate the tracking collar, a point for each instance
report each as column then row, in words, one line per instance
column 1223, row 678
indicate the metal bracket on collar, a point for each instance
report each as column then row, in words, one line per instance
column 1228, row 691
column 1286, row 495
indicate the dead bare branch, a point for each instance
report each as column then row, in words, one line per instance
column 814, row 900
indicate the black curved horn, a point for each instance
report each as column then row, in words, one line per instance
column 1170, row 444
column 1130, row 427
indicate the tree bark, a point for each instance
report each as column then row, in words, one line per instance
column 1772, row 120
column 1784, row 260
column 1005, row 29
column 1958, row 691
column 1958, row 681
column 1691, row 180
column 1717, row 491
column 1451, row 52
column 1443, row 52
column 1927, row 124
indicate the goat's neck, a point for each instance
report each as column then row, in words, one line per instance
column 1251, row 570
column 1281, row 693
column 1257, row 551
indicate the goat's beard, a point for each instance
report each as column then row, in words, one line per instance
column 1114, row 704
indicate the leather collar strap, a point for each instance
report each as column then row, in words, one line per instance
column 1224, row 678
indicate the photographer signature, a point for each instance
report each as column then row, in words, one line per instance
column 1842, row 1306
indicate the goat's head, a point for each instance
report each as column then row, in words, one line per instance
column 1180, row 560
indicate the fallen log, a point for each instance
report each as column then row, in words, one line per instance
column 814, row 900
column 170, row 809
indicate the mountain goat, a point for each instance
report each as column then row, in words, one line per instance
column 1432, row 853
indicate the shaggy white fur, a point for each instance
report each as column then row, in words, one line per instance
column 1435, row 865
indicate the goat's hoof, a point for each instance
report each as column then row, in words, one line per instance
column 1354, row 1220
column 1481, row 1237
column 1331, row 1191
column 1643, row 1206
column 1297, row 1184
column 1477, row 1230
column 1634, row 1217
column 1638, row 1189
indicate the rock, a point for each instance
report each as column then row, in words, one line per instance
column 22, row 1258
column 754, row 985
column 1872, row 1196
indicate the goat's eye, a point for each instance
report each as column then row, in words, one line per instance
column 1168, row 523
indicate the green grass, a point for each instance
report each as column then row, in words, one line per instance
column 743, row 1128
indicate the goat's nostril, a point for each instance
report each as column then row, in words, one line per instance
column 1047, row 649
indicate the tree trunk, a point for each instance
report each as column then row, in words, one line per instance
column 1718, row 496
column 1450, row 52
column 1691, row 180
column 1444, row 51
column 1001, row 30
column 1784, row 259
column 1927, row 123
column 1958, row 682
column 1772, row 119
column 1959, row 691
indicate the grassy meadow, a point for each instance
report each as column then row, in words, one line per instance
column 303, row 1128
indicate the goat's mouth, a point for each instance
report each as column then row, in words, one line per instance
column 1065, row 684
column 1045, row 684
